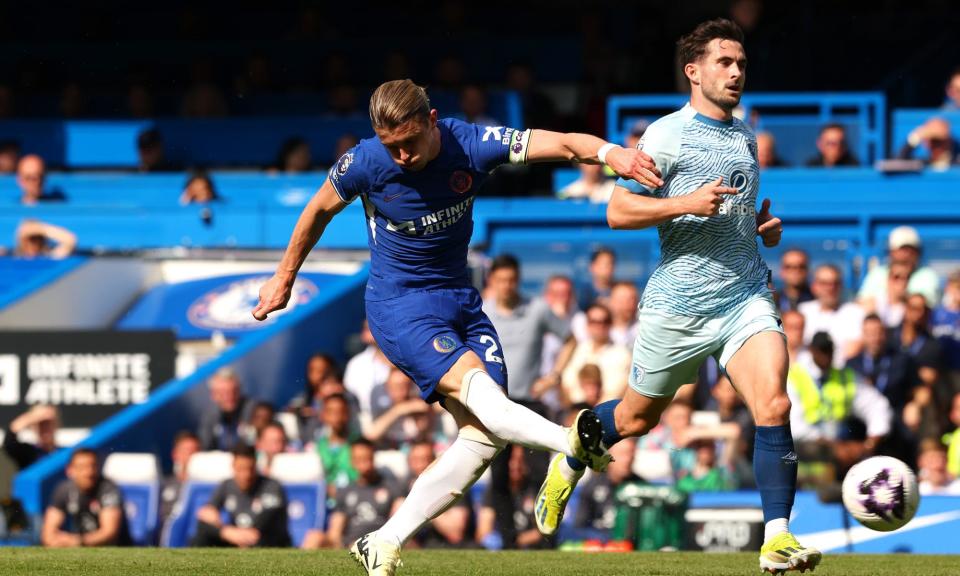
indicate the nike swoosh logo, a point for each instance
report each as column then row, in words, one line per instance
column 391, row 197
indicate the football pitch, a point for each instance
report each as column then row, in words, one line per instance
column 166, row 562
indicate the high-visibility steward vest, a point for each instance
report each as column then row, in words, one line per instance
column 952, row 441
column 831, row 402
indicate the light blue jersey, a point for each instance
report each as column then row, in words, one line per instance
column 708, row 265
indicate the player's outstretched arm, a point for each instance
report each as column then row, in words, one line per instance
column 546, row 146
column 275, row 293
column 628, row 211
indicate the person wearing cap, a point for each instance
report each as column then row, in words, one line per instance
column 832, row 405
column 905, row 247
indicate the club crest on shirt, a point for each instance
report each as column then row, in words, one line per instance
column 638, row 373
column 460, row 181
column 444, row 344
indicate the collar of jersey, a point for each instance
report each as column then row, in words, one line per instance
column 713, row 121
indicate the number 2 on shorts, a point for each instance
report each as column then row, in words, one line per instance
column 492, row 348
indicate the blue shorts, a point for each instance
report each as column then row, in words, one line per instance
column 424, row 333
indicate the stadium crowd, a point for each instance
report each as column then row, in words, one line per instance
column 876, row 372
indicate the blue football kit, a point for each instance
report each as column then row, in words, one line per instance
column 421, row 307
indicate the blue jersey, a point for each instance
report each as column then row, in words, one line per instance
column 419, row 223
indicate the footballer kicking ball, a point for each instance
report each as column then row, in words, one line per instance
column 881, row 493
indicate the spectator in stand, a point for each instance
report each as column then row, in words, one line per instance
column 271, row 441
column 538, row 108
column 522, row 324
column 832, row 147
column 913, row 338
column 9, row 156
column 343, row 145
column 31, row 176
column 261, row 415
column 672, row 435
column 932, row 470
column 624, row 300
column 362, row 506
column 294, row 156
column 952, row 91
column 332, row 443
column 767, row 151
column 199, row 190
column 151, row 152
column 794, row 280
column 185, row 445
column 449, row 72
column 598, row 507
column 890, row 304
column 395, row 405
column 590, row 384
column 37, row 239
column 892, row 373
column 946, row 328
column 613, row 359
column 903, row 247
column 473, row 106
column 204, row 99
column 794, row 328
column 636, row 132
column 559, row 295
column 44, row 421
column 706, row 475
column 828, row 313
column 592, row 185
column 935, row 138
column 220, row 424
column 322, row 370
column 85, row 509
column 140, row 102
column 366, row 371
column 342, row 102
column 603, row 263
column 830, row 407
column 255, row 507
column 517, row 529
column 450, row 529
column 952, row 438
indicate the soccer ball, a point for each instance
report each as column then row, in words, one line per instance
column 881, row 493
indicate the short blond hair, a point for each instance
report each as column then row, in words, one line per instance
column 395, row 102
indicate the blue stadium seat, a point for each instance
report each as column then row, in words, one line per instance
column 306, row 508
column 182, row 524
column 137, row 476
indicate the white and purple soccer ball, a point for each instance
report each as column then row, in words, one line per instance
column 881, row 493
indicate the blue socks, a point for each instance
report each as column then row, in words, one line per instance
column 604, row 412
column 775, row 468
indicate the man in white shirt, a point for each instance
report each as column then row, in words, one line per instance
column 612, row 358
column 366, row 371
column 828, row 313
column 904, row 247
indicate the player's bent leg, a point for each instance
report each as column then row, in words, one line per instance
column 635, row 415
column 758, row 369
column 468, row 383
column 434, row 492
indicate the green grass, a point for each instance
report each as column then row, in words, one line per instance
column 165, row 562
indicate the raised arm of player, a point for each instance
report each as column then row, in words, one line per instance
column 275, row 293
column 546, row 146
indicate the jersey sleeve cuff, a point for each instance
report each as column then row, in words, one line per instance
column 336, row 187
column 634, row 187
column 519, row 145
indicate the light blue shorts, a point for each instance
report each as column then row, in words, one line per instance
column 669, row 349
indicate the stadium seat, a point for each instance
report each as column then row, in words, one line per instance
column 290, row 425
column 392, row 462
column 302, row 478
column 204, row 472
column 137, row 475
column 653, row 465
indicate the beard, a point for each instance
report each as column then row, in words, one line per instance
column 721, row 98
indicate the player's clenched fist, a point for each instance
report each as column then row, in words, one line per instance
column 636, row 165
column 274, row 295
column 706, row 200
